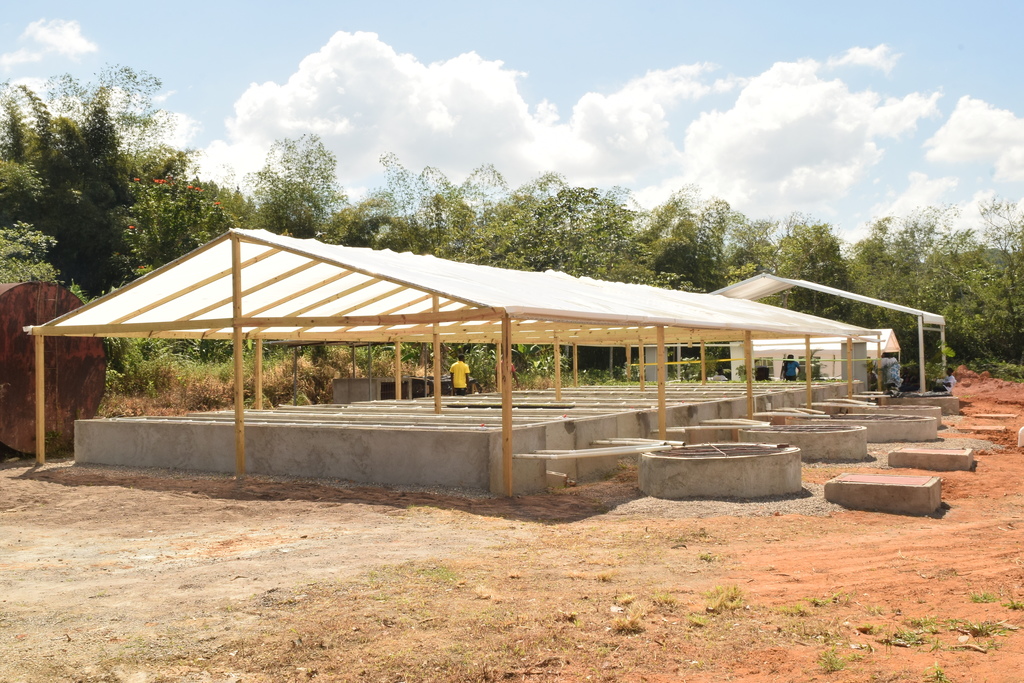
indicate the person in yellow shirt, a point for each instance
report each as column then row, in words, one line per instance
column 460, row 371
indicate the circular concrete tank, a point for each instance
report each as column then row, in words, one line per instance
column 75, row 366
column 817, row 443
column 730, row 470
column 882, row 428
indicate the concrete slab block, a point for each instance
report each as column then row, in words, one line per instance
column 896, row 493
column 557, row 480
column 950, row 404
column 995, row 416
column 937, row 459
column 982, row 429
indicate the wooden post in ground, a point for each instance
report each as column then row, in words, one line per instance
column 506, row 403
column 398, row 371
column 40, row 348
column 849, row 367
column 662, row 376
column 808, row 370
column 703, row 367
column 498, row 374
column 558, row 370
column 748, row 359
column 257, row 378
column 642, row 367
column 437, row 359
column 236, row 339
column 575, row 366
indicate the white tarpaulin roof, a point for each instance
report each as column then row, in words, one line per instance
column 830, row 344
column 765, row 284
column 292, row 288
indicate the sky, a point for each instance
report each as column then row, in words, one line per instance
column 843, row 112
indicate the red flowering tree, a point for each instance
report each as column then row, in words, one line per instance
column 171, row 217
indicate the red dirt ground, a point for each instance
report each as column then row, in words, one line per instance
column 90, row 561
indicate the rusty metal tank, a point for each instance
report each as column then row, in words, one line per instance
column 75, row 366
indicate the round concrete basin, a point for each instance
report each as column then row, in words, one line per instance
column 817, row 443
column 881, row 428
column 728, row 470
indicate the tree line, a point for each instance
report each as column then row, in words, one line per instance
column 92, row 196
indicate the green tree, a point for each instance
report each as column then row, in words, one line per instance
column 23, row 254
column 687, row 240
column 814, row 252
column 296, row 192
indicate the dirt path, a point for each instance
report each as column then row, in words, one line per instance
column 107, row 576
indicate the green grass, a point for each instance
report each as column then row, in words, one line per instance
column 830, row 661
column 984, row 597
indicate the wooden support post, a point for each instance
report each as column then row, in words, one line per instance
column 629, row 363
column 499, row 375
column 236, row 338
column 257, row 376
column 942, row 348
column 575, row 366
column 398, row 371
column 748, row 359
column 558, row 370
column 703, row 366
column 878, row 368
column 40, row 343
column 662, row 376
column 642, row 368
column 920, row 353
column 808, row 370
column 437, row 360
column 506, row 404
column 849, row 367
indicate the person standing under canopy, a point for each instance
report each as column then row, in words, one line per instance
column 790, row 368
column 459, row 372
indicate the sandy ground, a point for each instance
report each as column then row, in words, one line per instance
column 93, row 559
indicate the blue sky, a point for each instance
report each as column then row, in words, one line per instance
column 842, row 111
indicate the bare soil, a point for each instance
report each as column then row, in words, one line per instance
column 115, row 575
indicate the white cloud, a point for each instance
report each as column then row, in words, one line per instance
column 180, row 130
column 921, row 192
column 879, row 57
column 978, row 132
column 364, row 99
column 46, row 38
column 793, row 141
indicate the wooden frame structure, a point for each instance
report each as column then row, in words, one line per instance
column 255, row 285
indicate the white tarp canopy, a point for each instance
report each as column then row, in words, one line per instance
column 766, row 284
column 277, row 287
column 252, row 284
column 886, row 337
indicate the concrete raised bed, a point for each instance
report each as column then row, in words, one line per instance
column 817, row 443
column 721, row 470
column 882, row 428
column 950, row 404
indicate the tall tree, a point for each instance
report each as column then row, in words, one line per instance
column 296, row 192
column 813, row 252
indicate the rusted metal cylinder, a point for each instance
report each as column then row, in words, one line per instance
column 75, row 366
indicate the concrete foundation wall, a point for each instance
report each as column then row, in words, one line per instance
column 394, row 456
column 462, row 456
